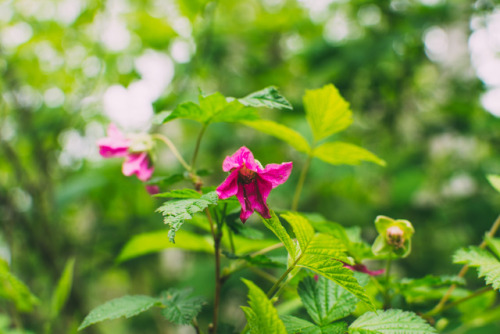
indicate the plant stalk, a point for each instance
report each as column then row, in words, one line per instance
column 274, row 288
column 174, row 150
column 387, row 297
column 217, row 235
column 197, row 147
column 300, row 184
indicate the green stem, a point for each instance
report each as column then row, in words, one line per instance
column 387, row 297
column 441, row 305
column 174, row 150
column 274, row 288
column 197, row 147
column 300, row 184
column 217, row 235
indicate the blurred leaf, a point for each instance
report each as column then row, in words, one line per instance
column 335, row 328
column 291, row 137
column 176, row 211
column 494, row 181
column 262, row 316
column 153, row 242
column 154, row 32
column 167, row 180
column 127, row 306
column 326, row 301
column 11, row 288
column 63, row 289
column 275, row 226
column 268, row 97
column 180, row 193
column 260, row 260
column 234, row 223
column 180, row 308
column 390, row 322
column 244, row 245
column 326, row 111
column 338, row 153
column 487, row 265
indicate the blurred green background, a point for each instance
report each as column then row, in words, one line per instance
column 422, row 78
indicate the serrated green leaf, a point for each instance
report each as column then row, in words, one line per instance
column 180, row 193
column 11, row 288
column 187, row 110
column 335, row 271
column 487, row 265
column 268, row 97
column 326, row 111
column 63, row 288
column 303, row 230
column 390, row 322
column 176, row 211
column 262, row 316
column 340, row 153
column 179, row 307
column 296, row 325
column 153, row 242
column 494, row 181
column 280, row 131
column 275, row 226
column 213, row 108
column 326, row 301
column 127, row 306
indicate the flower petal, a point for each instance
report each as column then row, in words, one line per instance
column 242, row 157
column 229, row 187
column 277, row 174
column 246, row 207
column 115, row 145
column 138, row 164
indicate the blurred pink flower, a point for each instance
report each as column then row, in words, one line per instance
column 138, row 164
column 117, row 145
column 250, row 182
column 152, row 189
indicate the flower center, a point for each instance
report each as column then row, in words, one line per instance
column 246, row 175
column 395, row 236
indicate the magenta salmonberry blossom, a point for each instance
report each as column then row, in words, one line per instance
column 250, row 182
column 117, row 145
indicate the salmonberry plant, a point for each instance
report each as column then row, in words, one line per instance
column 325, row 265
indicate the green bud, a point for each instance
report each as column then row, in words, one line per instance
column 394, row 237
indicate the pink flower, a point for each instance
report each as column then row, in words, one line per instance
column 115, row 145
column 138, row 164
column 250, row 182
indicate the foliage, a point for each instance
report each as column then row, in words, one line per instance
column 345, row 82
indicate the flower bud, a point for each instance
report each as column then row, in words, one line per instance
column 394, row 237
